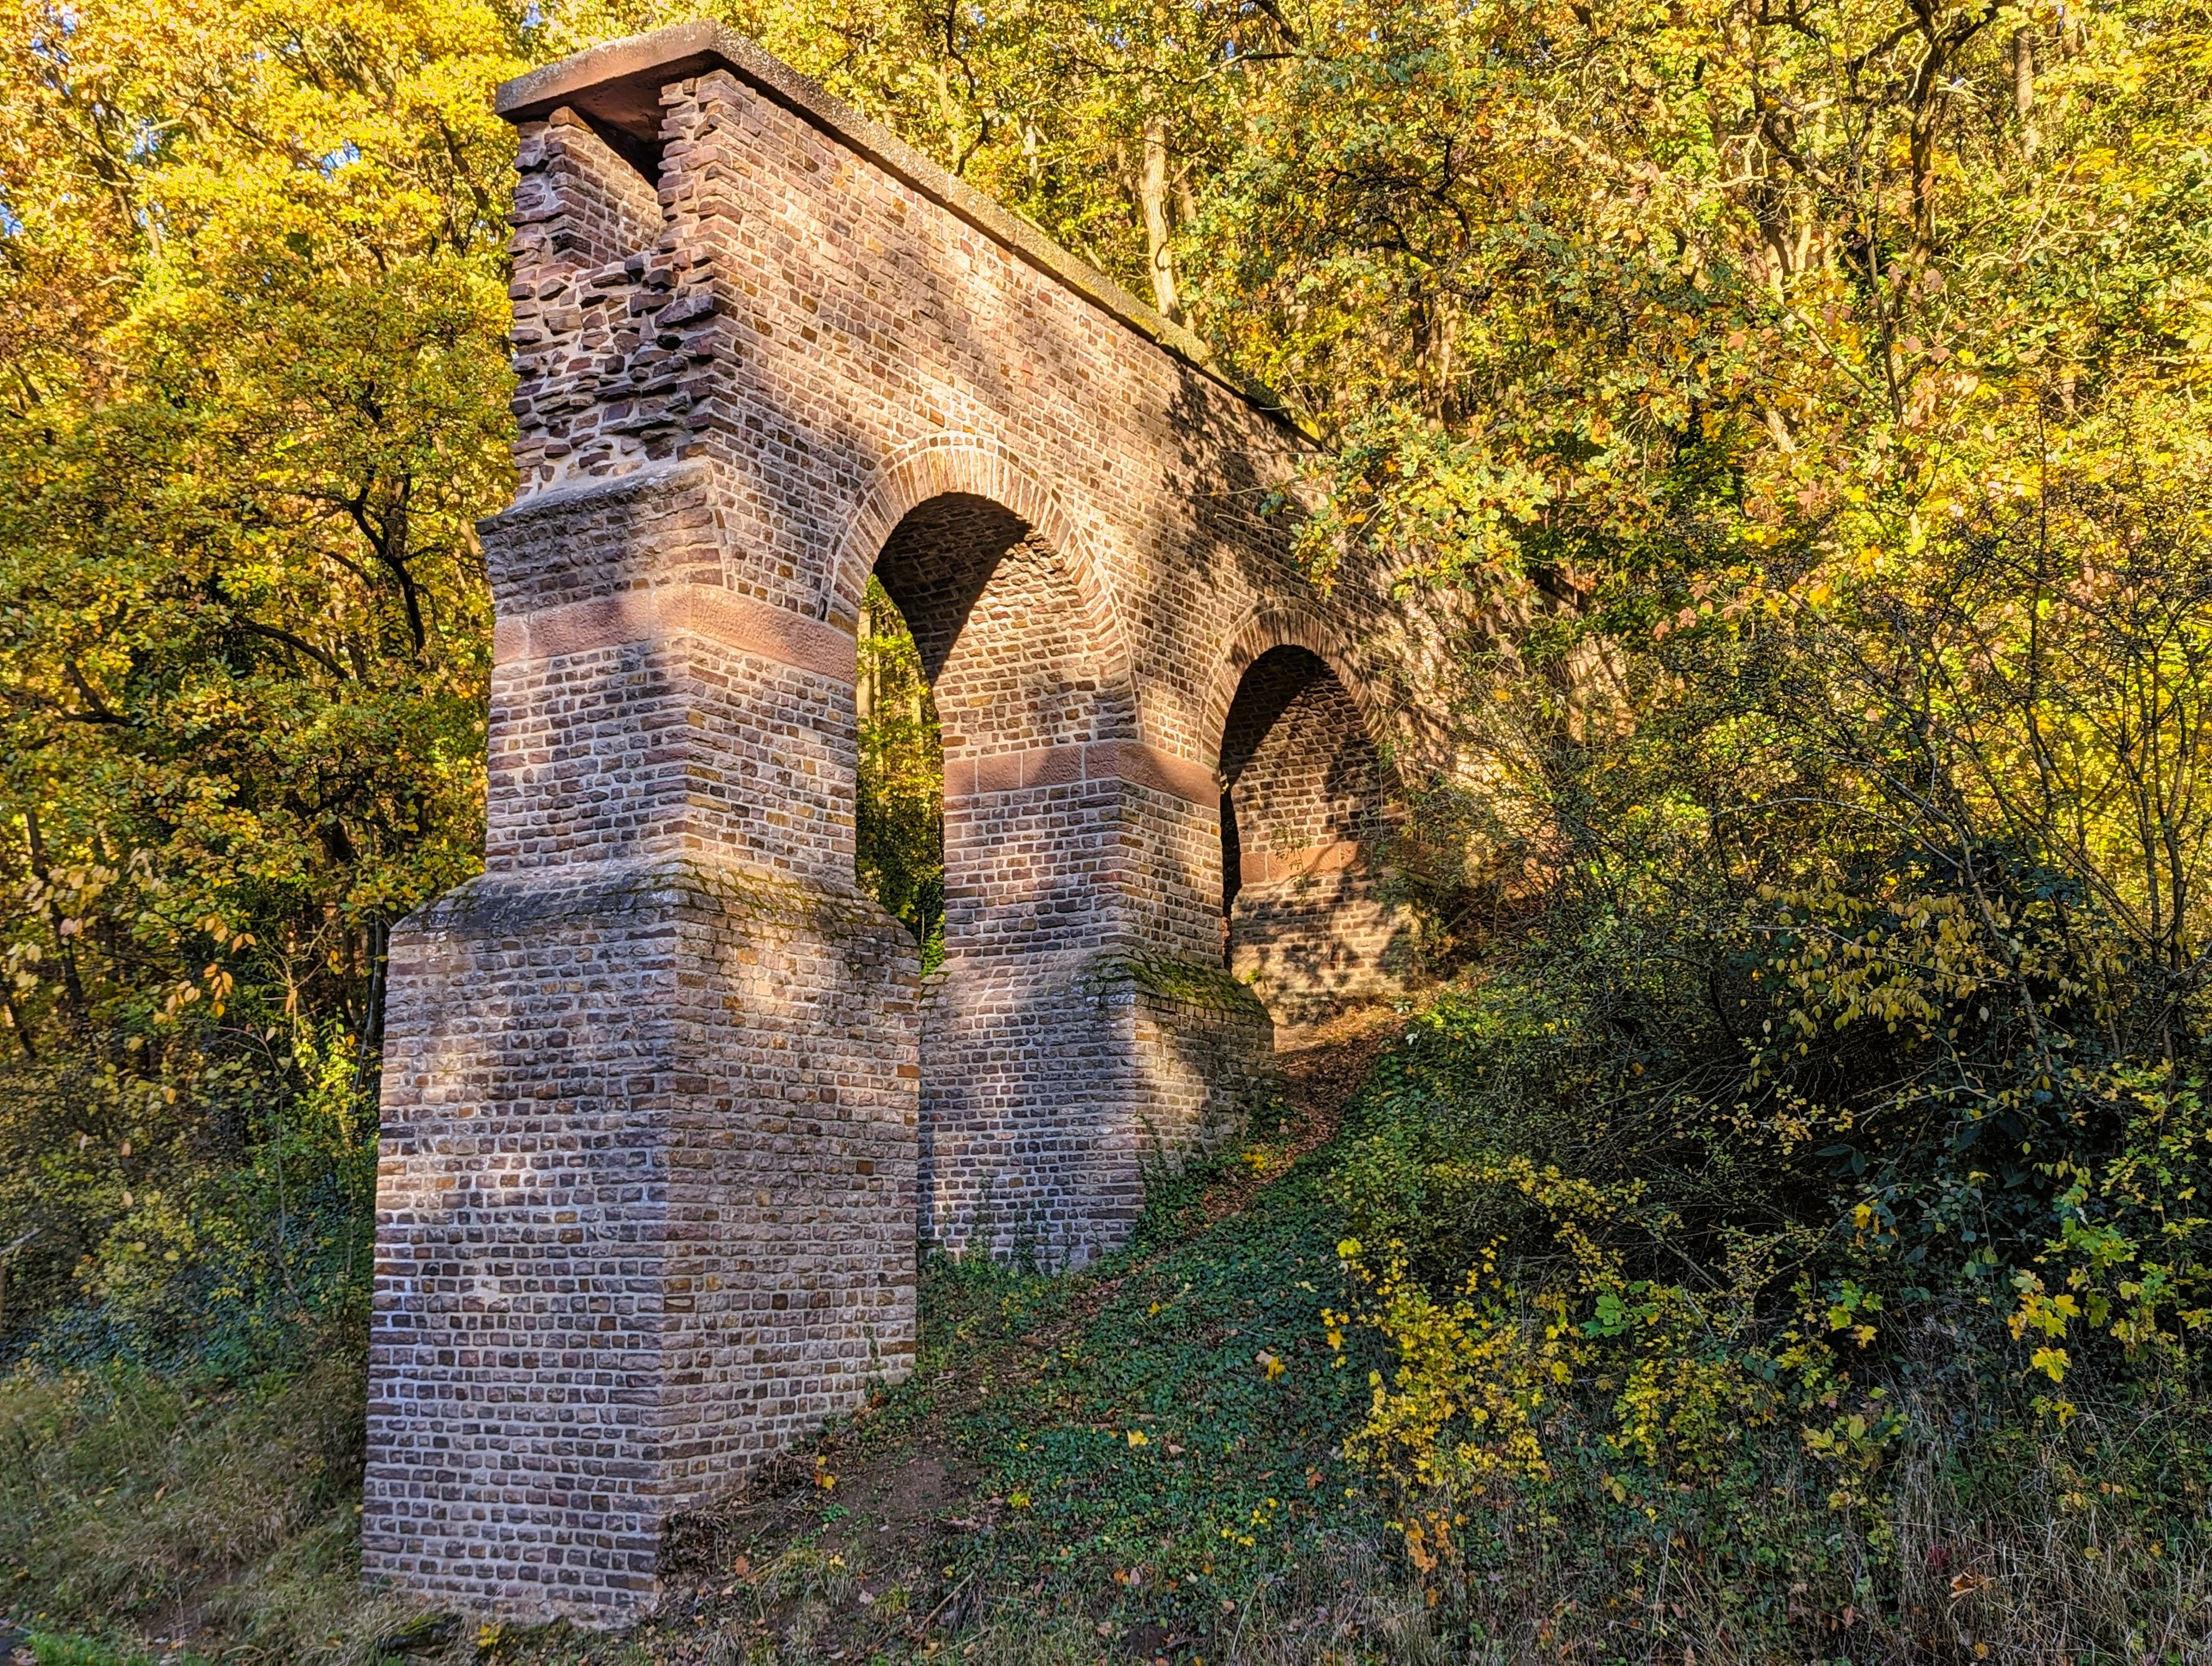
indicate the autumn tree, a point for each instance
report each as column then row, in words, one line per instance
column 252, row 289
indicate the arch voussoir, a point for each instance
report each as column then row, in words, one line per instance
column 977, row 465
column 1285, row 623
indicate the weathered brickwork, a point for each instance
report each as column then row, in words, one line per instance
column 1310, row 928
column 667, row 1107
column 644, row 1213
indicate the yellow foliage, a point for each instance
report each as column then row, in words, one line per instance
column 1470, row 1378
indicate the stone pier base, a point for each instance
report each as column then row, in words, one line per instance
column 1053, row 1084
column 645, row 1214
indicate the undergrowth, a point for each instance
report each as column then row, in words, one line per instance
column 137, row 1507
column 1639, row 1401
column 1147, row 1460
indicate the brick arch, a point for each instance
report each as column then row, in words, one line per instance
column 974, row 465
column 1308, row 922
column 1290, row 624
column 731, row 391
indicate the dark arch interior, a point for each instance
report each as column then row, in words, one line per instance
column 938, row 563
column 1270, row 684
column 1296, row 762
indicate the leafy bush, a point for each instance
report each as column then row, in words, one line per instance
column 224, row 1246
column 899, row 809
column 1621, row 1378
column 1814, row 1183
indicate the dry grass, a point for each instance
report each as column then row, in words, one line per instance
column 1341, row 1607
column 129, row 1506
column 2037, row 1562
column 2068, row 1570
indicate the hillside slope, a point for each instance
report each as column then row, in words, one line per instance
column 1137, row 1461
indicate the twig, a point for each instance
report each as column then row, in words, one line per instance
column 950, row 1596
column 1239, row 1636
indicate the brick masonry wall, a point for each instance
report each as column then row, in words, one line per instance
column 1312, row 927
column 666, row 1106
column 642, row 1216
column 580, row 213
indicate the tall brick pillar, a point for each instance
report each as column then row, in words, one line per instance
column 645, row 1199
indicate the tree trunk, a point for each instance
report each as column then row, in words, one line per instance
column 864, row 687
column 1152, row 198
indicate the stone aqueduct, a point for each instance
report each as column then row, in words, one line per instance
column 666, row 1102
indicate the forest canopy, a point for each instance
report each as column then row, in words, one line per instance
column 1800, row 403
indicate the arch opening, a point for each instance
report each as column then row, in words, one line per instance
column 1000, row 665
column 899, row 810
column 1305, row 920
column 1019, row 689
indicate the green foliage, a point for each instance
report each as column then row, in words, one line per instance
column 175, row 1255
column 900, row 810
column 1141, row 1435
column 254, row 304
column 50, row 1650
column 1706, row 1397
column 1710, row 1274
column 247, row 655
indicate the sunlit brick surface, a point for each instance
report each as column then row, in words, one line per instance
column 667, row 1108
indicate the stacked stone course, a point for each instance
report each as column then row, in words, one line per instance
column 667, row 1108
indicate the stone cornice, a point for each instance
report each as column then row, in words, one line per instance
column 722, row 616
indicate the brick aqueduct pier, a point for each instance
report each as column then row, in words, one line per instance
column 667, row 1104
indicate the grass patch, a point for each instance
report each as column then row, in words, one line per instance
column 136, row 1510
column 1138, row 1462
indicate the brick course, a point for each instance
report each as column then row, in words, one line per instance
column 666, row 1105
